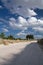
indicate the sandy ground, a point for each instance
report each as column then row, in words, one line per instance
column 24, row 53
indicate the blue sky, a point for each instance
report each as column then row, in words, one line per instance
column 21, row 17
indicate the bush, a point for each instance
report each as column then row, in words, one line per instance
column 40, row 41
column 10, row 37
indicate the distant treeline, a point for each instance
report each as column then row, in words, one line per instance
column 3, row 36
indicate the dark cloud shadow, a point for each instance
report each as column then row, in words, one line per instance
column 31, row 55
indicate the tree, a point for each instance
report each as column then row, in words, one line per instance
column 29, row 37
column 2, row 35
column 10, row 37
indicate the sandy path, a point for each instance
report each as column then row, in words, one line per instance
column 6, row 51
column 21, row 54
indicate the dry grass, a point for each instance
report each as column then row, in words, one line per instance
column 7, row 42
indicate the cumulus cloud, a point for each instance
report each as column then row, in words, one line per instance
column 20, row 25
column 32, row 21
column 23, row 24
column 22, row 21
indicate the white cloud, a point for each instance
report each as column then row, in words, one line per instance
column 24, row 11
column 20, row 25
column 40, row 22
column 3, row 21
column 40, row 29
column 24, row 24
column 20, row 33
column 38, row 36
column 1, row 7
column 5, row 30
column 22, row 21
column 13, row 4
column 12, row 19
column 32, row 21
column 31, row 12
column 15, row 25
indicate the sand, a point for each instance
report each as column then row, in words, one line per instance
column 22, row 53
